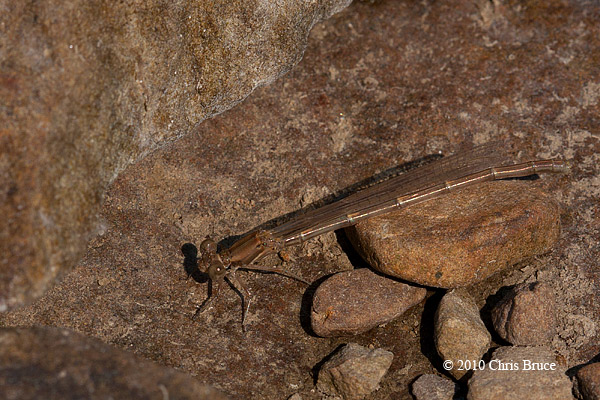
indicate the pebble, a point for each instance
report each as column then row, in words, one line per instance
column 509, row 376
column 352, row 302
column 433, row 387
column 588, row 382
column 354, row 371
column 526, row 315
column 460, row 238
column 460, row 334
column 103, row 281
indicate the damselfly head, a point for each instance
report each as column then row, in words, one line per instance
column 208, row 251
column 208, row 246
column 210, row 261
column 217, row 270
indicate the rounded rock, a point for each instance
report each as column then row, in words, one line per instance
column 460, row 238
column 588, row 381
column 354, row 371
column 352, row 302
column 460, row 334
column 433, row 387
column 526, row 315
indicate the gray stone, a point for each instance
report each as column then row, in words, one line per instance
column 521, row 373
column 433, row 387
column 53, row 363
column 460, row 335
column 354, row 371
column 353, row 302
column 526, row 315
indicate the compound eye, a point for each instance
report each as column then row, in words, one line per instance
column 208, row 246
column 216, row 271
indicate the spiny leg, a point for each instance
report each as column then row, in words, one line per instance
column 213, row 293
column 245, row 295
column 275, row 270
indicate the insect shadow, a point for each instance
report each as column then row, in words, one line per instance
column 190, row 263
column 307, row 302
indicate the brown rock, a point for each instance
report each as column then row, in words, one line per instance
column 588, row 382
column 52, row 363
column 374, row 64
column 354, row 371
column 526, row 315
column 460, row 335
column 88, row 88
column 521, row 373
column 463, row 237
column 353, row 302
column 433, row 387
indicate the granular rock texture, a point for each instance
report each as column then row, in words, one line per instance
column 353, row 302
column 462, row 238
column 526, row 315
column 460, row 335
column 588, row 382
column 354, row 371
column 88, row 87
column 433, row 387
column 50, row 363
column 521, row 373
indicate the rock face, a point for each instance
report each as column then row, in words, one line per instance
column 526, row 316
column 460, row 334
column 354, row 371
column 462, row 238
column 53, row 363
column 588, row 382
column 355, row 301
column 521, row 373
column 89, row 87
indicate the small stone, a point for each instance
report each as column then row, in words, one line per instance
column 530, row 373
column 588, row 382
column 460, row 334
column 103, row 281
column 53, row 363
column 460, row 238
column 354, row 371
column 353, row 302
column 526, row 315
column 433, row 387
